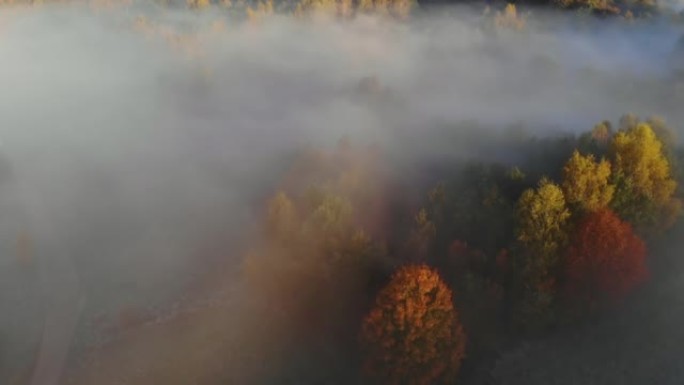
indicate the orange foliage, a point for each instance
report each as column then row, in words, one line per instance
column 413, row 334
column 605, row 259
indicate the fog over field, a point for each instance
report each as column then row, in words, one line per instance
column 139, row 143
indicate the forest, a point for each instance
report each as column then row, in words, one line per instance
column 341, row 192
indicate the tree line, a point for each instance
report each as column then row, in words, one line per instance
column 408, row 290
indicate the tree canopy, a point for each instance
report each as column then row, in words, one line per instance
column 586, row 183
column 413, row 335
column 605, row 259
column 644, row 184
column 542, row 232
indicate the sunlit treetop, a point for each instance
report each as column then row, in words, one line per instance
column 586, row 182
column 413, row 335
column 542, row 218
column 640, row 160
column 605, row 260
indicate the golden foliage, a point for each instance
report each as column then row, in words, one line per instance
column 348, row 8
column 413, row 334
column 542, row 219
column 262, row 10
column 642, row 154
column 586, row 182
column 509, row 18
column 317, row 8
column 603, row 6
column 639, row 159
column 198, row 4
column 542, row 231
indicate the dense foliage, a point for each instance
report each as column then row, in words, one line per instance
column 521, row 256
column 605, row 260
column 413, row 336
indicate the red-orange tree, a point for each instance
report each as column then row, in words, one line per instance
column 605, row 260
column 413, row 335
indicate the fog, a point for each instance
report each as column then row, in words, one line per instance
column 137, row 165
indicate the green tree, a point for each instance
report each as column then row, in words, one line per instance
column 478, row 207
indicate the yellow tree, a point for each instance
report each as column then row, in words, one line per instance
column 509, row 18
column 413, row 335
column 397, row 8
column 642, row 174
column 542, row 219
column 542, row 232
column 586, row 183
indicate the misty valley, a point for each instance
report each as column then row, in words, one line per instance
column 390, row 192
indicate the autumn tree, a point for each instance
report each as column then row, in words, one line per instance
column 338, row 8
column 586, row 183
column 605, row 259
column 396, row 8
column 413, row 335
column 644, row 185
column 262, row 10
column 542, row 218
column 542, row 232
column 598, row 6
column 509, row 18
